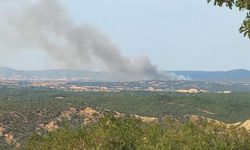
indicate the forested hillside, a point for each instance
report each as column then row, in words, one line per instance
column 24, row 111
column 112, row 133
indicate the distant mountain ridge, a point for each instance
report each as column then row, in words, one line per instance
column 65, row 73
column 55, row 74
column 42, row 73
column 238, row 75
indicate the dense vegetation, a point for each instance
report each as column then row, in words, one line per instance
column 225, row 107
column 23, row 109
column 129, row 134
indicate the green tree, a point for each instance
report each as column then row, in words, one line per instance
column 242, row 5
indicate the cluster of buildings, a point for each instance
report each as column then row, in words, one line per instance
column 191, row 91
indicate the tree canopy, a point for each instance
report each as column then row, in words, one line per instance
column 242, row 5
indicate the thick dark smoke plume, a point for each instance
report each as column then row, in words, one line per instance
column 45, row 25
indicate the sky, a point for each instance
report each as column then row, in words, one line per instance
column 175, row 35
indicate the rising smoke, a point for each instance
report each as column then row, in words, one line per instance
column 45, row 25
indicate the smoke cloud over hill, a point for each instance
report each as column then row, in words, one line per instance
column 45, row 25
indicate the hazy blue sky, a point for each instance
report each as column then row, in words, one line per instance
column 175, row 35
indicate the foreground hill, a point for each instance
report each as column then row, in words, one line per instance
column 107, row 131
column 24, row 111
column 87, row 128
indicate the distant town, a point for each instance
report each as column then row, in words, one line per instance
column 77, row 84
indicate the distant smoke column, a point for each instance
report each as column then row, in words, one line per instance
column 45, row 25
